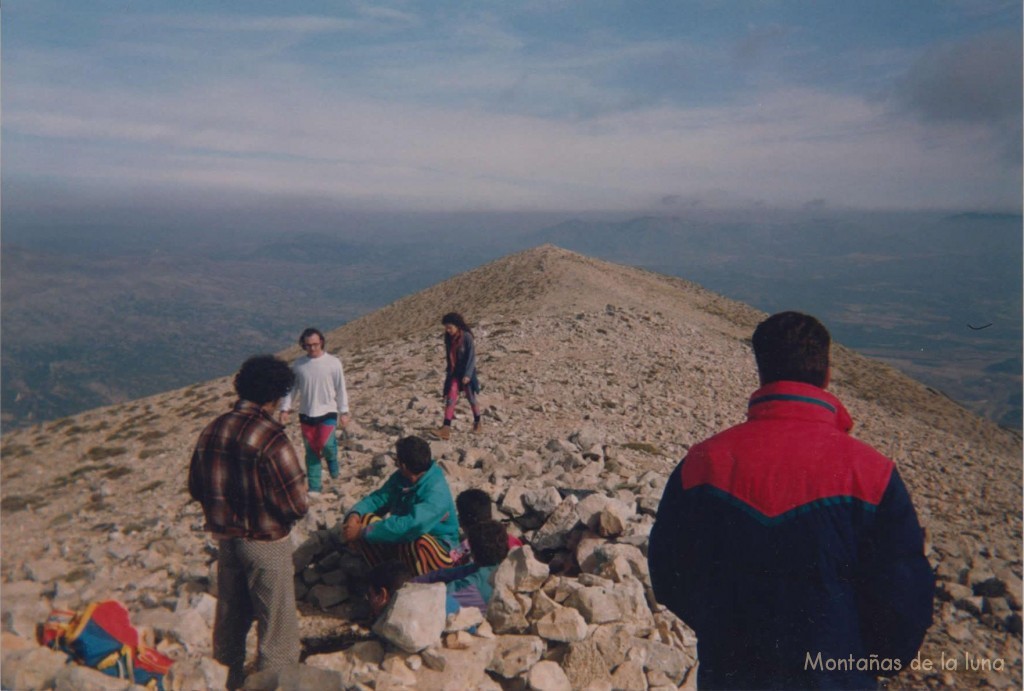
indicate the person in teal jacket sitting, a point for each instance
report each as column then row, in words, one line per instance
column 410, row 517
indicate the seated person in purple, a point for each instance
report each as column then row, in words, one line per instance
column 470, row 585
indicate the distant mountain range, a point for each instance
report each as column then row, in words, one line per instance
column 93, row 316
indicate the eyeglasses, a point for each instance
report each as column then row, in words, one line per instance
column 315, row 344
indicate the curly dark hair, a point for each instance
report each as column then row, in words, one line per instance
column 488, row 541
column 414, row 454
column 263, row 378
column 455, row 319
column 791, row 346
column 474, row 506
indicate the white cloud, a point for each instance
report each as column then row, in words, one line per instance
column 472, row 114
column 786, row 147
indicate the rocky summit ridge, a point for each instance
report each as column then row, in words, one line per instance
column 597, row 378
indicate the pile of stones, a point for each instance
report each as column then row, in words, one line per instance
column 572, row 608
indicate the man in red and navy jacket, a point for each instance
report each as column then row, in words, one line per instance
column 789, row 547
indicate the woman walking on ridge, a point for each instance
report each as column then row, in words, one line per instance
column 460, row 371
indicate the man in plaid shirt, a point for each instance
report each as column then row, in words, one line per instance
column 248, row 478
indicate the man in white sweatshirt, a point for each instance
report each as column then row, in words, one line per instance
column 323, row 405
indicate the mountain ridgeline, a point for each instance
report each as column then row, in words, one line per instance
column 937, row 296
column 598, row 378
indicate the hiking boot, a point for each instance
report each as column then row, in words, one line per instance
column 478, row 427
column 444, row 433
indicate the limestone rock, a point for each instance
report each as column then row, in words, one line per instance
column 563, row 624
column 521, row 571
column 415, row 617
column 584, row 665
column 548, row 676
column 629, row 676
column 447, row 670
column 346, row 662
column 205, row 673
column 465, row 619
column 514, row 655
column 295, row 677
column 554, row 533
column 541, row 502
column 505, row 612
column 31, row 668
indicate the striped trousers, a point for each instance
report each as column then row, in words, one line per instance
column 255, row 581
column 423, row 555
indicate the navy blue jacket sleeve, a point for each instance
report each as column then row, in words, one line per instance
column 896, row 585
column 668, row 552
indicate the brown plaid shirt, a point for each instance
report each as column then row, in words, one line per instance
column 247, row 476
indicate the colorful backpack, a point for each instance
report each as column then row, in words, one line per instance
column 102, row 637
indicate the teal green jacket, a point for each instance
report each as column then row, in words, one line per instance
column 412, row 509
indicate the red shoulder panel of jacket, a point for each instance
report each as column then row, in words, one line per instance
column 776, row 465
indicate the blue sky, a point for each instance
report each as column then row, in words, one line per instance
column 516, row 106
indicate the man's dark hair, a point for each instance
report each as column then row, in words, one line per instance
column 474, row 506
column 488, row 541
column 312, row 332
column 391, row 574
column 414, row 454
column 792, row 346
column 263, row 378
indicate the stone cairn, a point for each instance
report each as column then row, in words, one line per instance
column 572, row 608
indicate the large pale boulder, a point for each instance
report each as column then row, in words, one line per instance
column 521, row 571
column 564, row 624
column 542, row 501
column 585, row 665
column 21, row 614
column 629, row 676
column 597, row 604
column 609, row 602
column 514, row 655
column 447, row 669
column 546, row 675
column 415, row 617
column 31, row 668
column 671, row 661
column 554, row 534
column 204, row 673
column 465, row 619
column 512, row 502
column 506, row 612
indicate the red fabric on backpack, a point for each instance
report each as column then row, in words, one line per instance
column 113, row 617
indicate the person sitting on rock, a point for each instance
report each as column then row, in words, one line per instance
column 410, row 517
column 384, row 581
column 474, row 506
column 470, row 585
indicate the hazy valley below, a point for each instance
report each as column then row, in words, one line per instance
column 598, row 378
column 98, row 316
